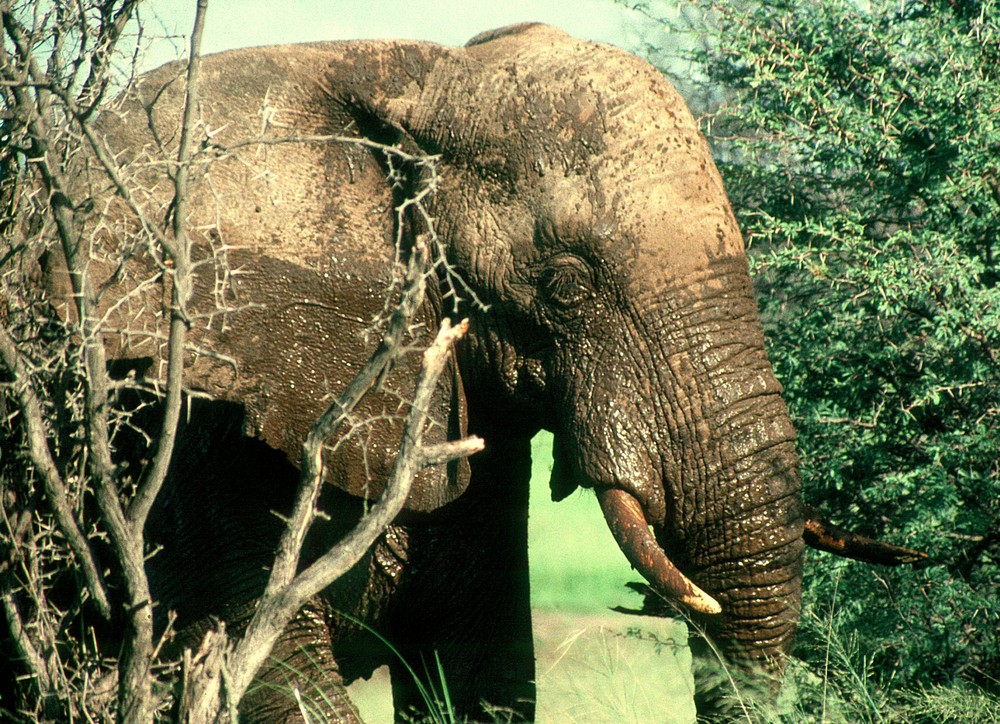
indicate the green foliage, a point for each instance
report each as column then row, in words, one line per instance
column 844, row 690
column 939, row 704
column 860, row 143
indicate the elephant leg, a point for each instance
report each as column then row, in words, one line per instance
column 216, row 525
column 301, row 681
column 464, row 613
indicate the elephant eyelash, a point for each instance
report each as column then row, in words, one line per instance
column 568, row 284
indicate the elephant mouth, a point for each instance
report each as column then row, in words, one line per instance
column 630, row 528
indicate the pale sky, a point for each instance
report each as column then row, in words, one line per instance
column 237, row 23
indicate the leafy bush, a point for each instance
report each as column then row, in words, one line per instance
column 860, row 143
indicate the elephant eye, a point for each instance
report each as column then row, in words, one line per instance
column 567, row 281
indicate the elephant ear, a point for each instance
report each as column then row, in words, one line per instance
column 562, row 482
column 366, row 89
column 305, row 233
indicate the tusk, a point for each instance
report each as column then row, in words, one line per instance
column 630, row 529
column 823, row 535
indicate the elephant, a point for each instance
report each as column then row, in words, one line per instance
column 587, row 237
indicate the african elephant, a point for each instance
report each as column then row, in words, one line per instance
column 605, row 280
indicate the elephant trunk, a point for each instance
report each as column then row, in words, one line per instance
column 738, row 572
column 701, row 448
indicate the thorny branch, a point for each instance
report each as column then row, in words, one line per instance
column 135, row 670
column 286, row 595
column 180, row 291
column 41, row 457
column 43, row 127
column 46, row 116
column 112, row 25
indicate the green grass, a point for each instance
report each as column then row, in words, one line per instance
column 576, row 566
column 612, row 669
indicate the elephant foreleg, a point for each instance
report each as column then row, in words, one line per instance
column 300, row 681
column 464, row 619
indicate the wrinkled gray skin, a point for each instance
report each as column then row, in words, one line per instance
column 578, row 200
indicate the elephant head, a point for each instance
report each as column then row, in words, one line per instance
column 583, row 206
column 600, row 265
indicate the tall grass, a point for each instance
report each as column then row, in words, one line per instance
column 836, row 684
column 603, row 669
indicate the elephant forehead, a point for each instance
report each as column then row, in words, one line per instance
column 683, row 227
column 662, row 230
column 546, row 84
column 602, row 136
column 681, row 214
column 533, row 101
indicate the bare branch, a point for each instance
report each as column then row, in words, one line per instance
column 278, row 607
column 203, row 674
column 411, row 458
column 112, row 26
column 303, row 511
column 41, row 154
column 135, row 685
column 181, row 290
column 114, row 175
column 445, row 452
column 42, row 115
column 25, row 648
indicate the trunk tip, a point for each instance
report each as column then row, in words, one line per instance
column 822, row 535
